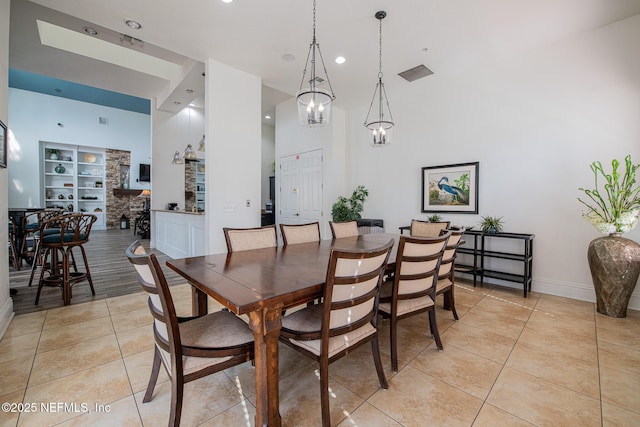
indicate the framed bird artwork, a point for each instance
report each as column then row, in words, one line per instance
column 450, row 188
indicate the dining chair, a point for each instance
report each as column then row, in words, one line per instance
column 244, row 239
column 13, row 251
column 300, row 233
column 413, row 287
column 347, row 317
column 188, row 348
column 29, row 226
column 427, row 229
column 446, row 272
column 72, row 231
column 344, row 229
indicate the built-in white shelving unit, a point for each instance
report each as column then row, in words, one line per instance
column 73, row 178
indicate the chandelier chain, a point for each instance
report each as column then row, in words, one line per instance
column 380, row 52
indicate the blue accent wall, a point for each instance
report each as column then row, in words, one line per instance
column 50, row 86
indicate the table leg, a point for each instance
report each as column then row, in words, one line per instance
column 199, row 303
column 266, row 324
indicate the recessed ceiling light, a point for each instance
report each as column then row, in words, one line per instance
column 227, row 1
column 189, row 90
column 340, row 60
column 288, row 57
column 267, row 117
column 90, row 31
column 133, row 24
column 192, row 105
column 176, row 102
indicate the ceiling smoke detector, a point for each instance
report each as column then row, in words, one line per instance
column 415, row 73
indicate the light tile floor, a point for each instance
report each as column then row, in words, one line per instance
column 542, row 360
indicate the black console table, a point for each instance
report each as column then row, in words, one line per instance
column 479, row 253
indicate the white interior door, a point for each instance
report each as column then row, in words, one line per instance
column 301, row 186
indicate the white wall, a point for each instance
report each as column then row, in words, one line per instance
column 171, row 133
column 35, row 117
column 268, row 157
column 535, row 123
column 291, row 138
column 233, row 156
column 6, row 303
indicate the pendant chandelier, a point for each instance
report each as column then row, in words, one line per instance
column 189, row 154
column 382, row 124
column 314, row 103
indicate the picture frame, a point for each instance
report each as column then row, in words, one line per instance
column 450, row 188
column 3, row 145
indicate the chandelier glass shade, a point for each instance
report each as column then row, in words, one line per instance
column 314, row 101
column 380, row 124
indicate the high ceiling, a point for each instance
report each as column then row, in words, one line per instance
column 448, row 36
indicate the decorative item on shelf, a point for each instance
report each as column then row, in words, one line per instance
column 379, row 125
column 98, row 184
column 70, row 197
column 68, row 184
column 49, row 193
column 61, row 196
column 314, row 102
column 201, row 168
column 90, row 158
column 68, row 158
column 70, row 207
column 97, row 210
column 349, row 209
column 60, row 169
column 54, row 154
column 491, row 224
column 614, row 261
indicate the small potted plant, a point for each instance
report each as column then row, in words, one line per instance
column 435, row 218
column 491, row 224
column 54, row 154
column 349, row 209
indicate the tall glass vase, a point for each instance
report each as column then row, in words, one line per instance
column 615, row 266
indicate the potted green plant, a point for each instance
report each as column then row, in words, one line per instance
column 491, row 224
column 613, row 208
column 349, row 209
column 435, row 218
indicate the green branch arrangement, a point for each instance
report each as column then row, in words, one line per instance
column 615, row 208
column 349, row 209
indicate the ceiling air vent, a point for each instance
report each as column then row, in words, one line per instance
column 415, row 73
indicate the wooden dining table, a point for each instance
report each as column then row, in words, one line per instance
column 262, row 283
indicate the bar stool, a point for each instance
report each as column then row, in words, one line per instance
column 73, row 231
column 36, row 252
column 28, row 245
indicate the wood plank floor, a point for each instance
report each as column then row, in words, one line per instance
column 112, row 274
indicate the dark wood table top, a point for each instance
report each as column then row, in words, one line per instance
column 284, row 276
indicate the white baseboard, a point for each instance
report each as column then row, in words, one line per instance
column 6, row 314
column 579, row 291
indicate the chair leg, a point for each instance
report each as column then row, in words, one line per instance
column 86, row 267
column 324, row 391
column 393, row 337
column 177, row 393
column 37, row 261
column 449, row 302
column 153, row 379
column 47, row 252
column 433, row 325
column 375, row 349
column 66, row 277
